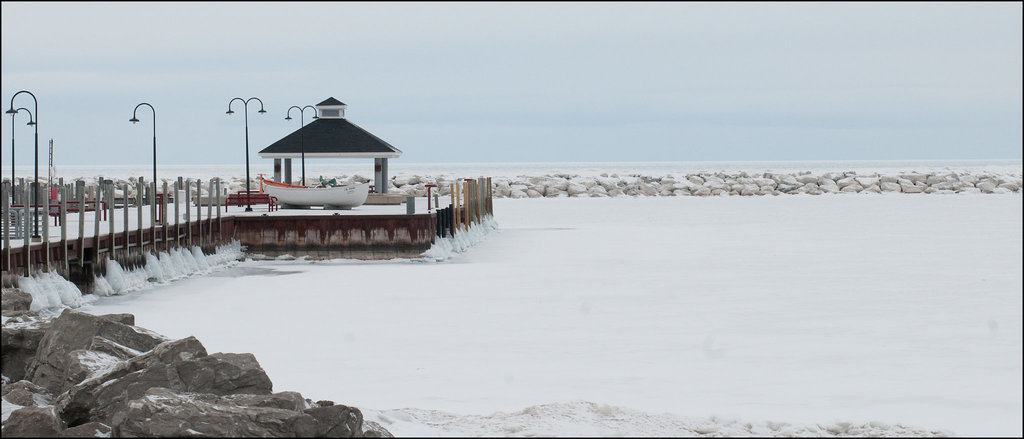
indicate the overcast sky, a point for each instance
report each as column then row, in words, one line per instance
column 522, row 82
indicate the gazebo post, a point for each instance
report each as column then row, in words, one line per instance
column 380, row 175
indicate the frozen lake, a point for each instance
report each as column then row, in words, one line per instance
column 800, row 309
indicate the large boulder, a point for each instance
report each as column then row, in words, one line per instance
column 598, row 191
column 574, row 189
column 19, row 343
column 787, row 188
column 26, row 394
column 90, row 399
column 556, row 186
column 685, row 185
column 33, row 422
column 74, row 330
column 224, row 374
column 373, row 429
column 890, row 186
column 14, row 300
column 987, row 186
column 750, row 189
column 762, row 182
column 649, row 190
column 83, row 364
column 337, row 421
column 182, row 366
column 164, row 413
column 786, row 179
column 846, row 181
column 872, row 189
column 714, row 182
column 913, row 188
column 1011, row 186
column 828, row 185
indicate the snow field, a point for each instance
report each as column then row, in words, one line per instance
column 847, row 315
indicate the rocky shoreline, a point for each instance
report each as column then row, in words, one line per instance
column 695, row 184
column 81, row 375
column 722, row 183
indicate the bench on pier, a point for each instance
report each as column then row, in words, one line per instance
column 243, row 198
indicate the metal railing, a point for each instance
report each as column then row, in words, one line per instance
column 14, row 227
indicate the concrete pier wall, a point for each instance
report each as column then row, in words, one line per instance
column 368, row 237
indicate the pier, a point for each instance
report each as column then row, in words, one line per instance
column 82, row 227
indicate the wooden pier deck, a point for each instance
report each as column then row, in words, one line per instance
column 126, row 233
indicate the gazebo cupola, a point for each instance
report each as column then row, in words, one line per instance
column 331, row 108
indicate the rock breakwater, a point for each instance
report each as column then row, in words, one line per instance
column 82, row 375
column 699, row 184
column 721, row 183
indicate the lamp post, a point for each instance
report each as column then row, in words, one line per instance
column 135, row 119
column 245, row 102
column 302, row 140
column 30, row 122
column 35, row 188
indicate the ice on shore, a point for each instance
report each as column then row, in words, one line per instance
column 50, row 291
column 444, row 248
column 164, row 267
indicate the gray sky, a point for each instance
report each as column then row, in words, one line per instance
column 522, row 82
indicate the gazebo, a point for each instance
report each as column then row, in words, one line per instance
column 331, row 135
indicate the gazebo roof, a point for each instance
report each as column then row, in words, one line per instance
column 330, row 138
column 331, row 101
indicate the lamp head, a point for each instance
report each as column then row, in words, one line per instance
column 316, row 117
column 288, row 118
column 133, row 120
column 262, row 111
column 230, row 112
column 11, row 111
column 31, row 122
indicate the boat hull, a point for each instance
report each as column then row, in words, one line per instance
column 340, row 197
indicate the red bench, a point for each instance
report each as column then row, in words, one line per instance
column 243, row 198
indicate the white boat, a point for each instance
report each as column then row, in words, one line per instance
column 337, row 197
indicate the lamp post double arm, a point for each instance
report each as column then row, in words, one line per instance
column 135, row 119
column 30, row 123
column 302, row 140
column 35, row 188
column 245, row 102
